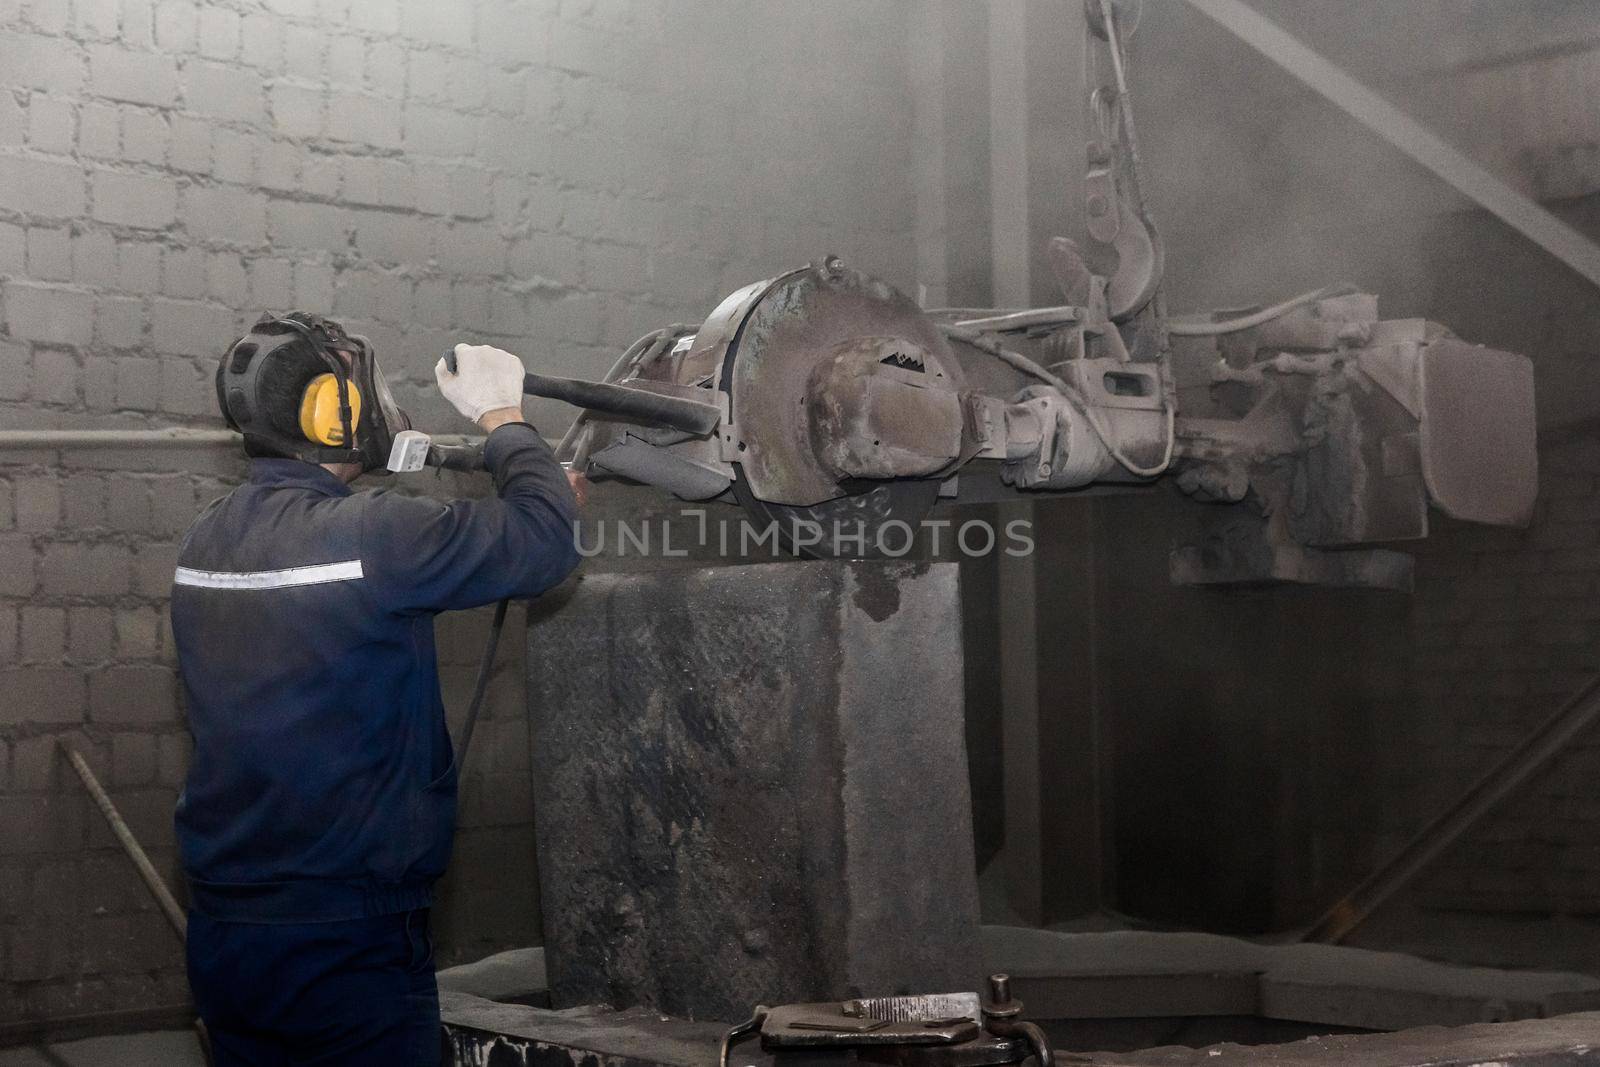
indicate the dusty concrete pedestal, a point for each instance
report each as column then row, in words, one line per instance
column 751, row 786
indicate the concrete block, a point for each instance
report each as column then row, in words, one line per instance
column 13, row 121
column 431, row 302
column 313, row 285
column 42, row 695
column 186, row 389
column 18, row 565
column 191, row 145
column 226, row 280
column 464, row 192
column 44, row 15
column 755, row 789
column 138, row 266
column 99, row 382
column 139, row 200
column 342, row 61
column 36, row 764
column 438, row 131
column 219, row 32
column 128, row 499
column 320, row 176
column 403, row 240
column 581, row 49
column 138, row 633
column 83, row 501
column 138, row 23
column 233, row 156
column 42, row 824
column 97, row 18
column 445, row 22
column 50, row 254
column 119, row 323
column 53, row 64
column 374, row 294
column 173, row 753
column 293, row 8
column 146, row 136
column 37, row 503
column 186, row 328
column 13, row 249
column 183, row 271
column 379, row 182
column 303, row 50
column 95, row 258
column 177, row 25
column 154, row 565
column 225, row 213
column 91, row 636
column 133, row 759
column 77, row 569
column 43, row 187
column 57, row 376
column 363, row 119
column 43, row 633
column 297, row 111
column 172, row 504
column 137, row 77
column 224, row 91
column 52, row 125
column 473, row 248
column 9, row 626
column 125, row 694
column 271, row 283
column 48, row 313
column 294, row 224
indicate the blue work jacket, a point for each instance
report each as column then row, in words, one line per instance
column 323, row 786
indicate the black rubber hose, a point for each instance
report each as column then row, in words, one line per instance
column 690, row 416
column 481, row 685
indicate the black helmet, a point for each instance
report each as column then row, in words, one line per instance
column 298, row 385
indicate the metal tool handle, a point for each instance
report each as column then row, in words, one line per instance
column 467, row 458
column 690, row 416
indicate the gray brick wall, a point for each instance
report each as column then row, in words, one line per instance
column 1506, row 627
column 554, row 177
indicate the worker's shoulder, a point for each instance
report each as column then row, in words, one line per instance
column 396, row 509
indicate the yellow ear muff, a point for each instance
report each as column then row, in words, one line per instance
column 319, row 410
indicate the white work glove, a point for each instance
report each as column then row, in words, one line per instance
column 485, row 378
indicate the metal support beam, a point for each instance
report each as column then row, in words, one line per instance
column 1468, row 177
column 1536, row 752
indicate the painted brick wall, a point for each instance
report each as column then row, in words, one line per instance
column 554, row 177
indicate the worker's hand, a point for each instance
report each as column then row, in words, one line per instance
column 485, row 379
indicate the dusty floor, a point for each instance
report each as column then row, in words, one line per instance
column 156, row 1048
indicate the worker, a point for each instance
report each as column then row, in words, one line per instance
column 321, row 798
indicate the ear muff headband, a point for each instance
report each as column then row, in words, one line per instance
column 320, row 418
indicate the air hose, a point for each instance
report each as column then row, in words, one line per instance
column 481, row 685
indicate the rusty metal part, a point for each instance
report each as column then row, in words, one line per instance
column 796, row 324
column 751, row 1027
column 880, row 407
column 833, row 1025
column 1002, row 1017
column 1535, row 752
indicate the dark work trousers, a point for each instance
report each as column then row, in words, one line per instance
column 352, row 993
